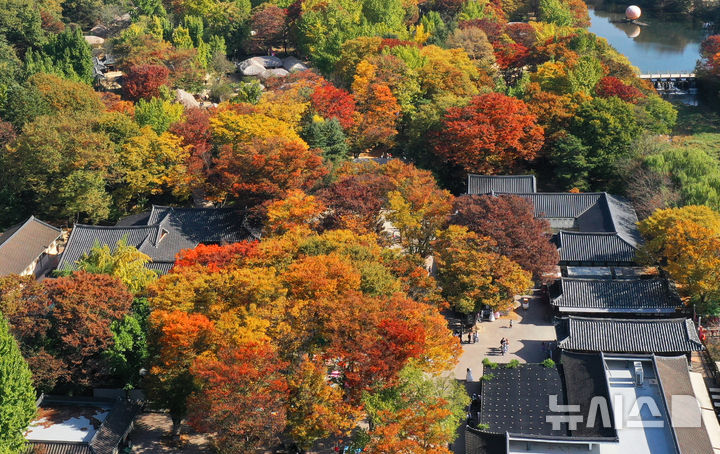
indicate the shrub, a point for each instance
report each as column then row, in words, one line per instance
column 548, row 363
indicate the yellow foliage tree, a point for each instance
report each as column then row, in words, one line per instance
column 686, row 241
column 472, row 274
column 152, row 163
column 229, row 127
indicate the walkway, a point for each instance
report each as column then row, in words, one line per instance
column 530, row 329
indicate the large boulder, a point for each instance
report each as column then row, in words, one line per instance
column 94, row 40
column 186, row 99
column 277, row 72
column 268, row 61
column 250, row 68
column 292, row 64
column 100, row 30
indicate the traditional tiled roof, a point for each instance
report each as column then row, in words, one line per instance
column 84, row 237
column 615, row 295
column 168, row 230
column 610, row 335
column 601, row 247
column 57, row 447
column 20, row 245
column 516, row 400
column 115, row 427
column 510, row 184
column 590, row 212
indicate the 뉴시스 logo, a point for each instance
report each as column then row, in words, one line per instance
column 642, row 412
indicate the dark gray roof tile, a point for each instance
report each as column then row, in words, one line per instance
column 611, row 335
column 168, row 231
column 595, row 247
column 510, row 184
column 616, row 295
column 20, row 245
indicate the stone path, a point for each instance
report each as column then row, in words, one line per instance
column 530, row 329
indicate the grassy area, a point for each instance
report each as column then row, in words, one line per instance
column 696, row 120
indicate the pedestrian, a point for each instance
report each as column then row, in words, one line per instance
column 469, row 337
column 460, row 336
column 502, row 346
column 510, row 323
column 468, row 376
column 476, row 338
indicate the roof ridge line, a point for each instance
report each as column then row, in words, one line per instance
column 610, row 212
column 23, row 224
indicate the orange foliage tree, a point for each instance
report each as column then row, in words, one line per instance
column 244, row 396
column 266, row 169
column 491, row 135
column 330, row 305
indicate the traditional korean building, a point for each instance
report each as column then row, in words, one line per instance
column 161, row 234
column 29, row 248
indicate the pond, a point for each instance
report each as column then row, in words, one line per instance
column 666, row 44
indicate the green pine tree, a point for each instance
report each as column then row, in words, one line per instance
column 327, row 135
column 17, row 395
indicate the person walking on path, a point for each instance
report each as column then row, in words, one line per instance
column 510, row 323
column 468, row 376
column 476, row 338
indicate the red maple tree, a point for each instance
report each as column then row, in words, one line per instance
column 510, row 221
column 492, row 134
column 243, row 399
column 332, row 102
column 144, row 81
column 612, row 86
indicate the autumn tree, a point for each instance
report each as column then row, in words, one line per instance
column 417, row 208
column 377, row 111
column 153, row 163
column 685, row 242
column 492, row 134
column 612, row 86
column 176, row 339
column 268, row 28
column 144, row 81
column 318, row 409
column 214, row 256
column 242, row 398
column 709, row 65
column 328, row 304
column 63, row 326
column 17, row 408
column 437, row 404
column 194, row 129
column 266, row 169
column 331, row 102
column 355, row 201
column 472, row 274
column 510, row 221
column 296, row 211
column 122, row 261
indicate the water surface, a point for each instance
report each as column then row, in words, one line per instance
column 666, row 44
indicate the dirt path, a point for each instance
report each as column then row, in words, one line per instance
column 151, row 434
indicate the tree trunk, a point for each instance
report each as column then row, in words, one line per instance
column 176, row 424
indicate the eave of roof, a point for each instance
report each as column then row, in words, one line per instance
column 612, row 335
